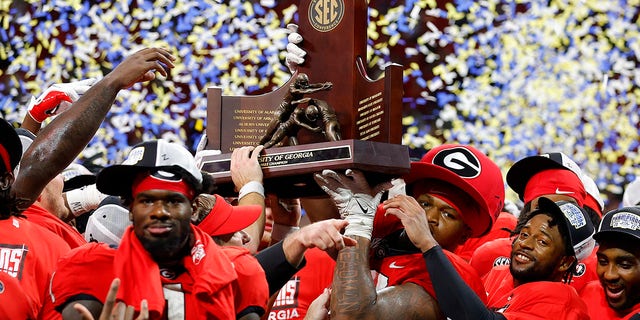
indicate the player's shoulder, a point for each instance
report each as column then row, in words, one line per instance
column 90, row 253
column 243, row 261
column 21, row 228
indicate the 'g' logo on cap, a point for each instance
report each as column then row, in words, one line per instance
column 460, row 161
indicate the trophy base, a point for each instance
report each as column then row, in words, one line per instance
column 288, row 171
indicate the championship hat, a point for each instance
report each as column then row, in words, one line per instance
column 108, row 222
column 10, row 147
column 577, row 223
column 523, row 170
column 77, row 176
column 631, row 195
column 224, row 218
column 470, row 170
column 168, row 160
column 620, row 221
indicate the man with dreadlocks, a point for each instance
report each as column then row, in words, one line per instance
column 28, row 252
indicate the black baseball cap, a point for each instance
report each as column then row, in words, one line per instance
column 523, row 170
column 577, row 223
column 620, row 221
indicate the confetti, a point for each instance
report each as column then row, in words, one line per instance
column 513, row 78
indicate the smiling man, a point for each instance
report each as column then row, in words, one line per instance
column 617, row 293
column 543, row 257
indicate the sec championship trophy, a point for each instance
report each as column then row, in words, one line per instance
column 329, row 115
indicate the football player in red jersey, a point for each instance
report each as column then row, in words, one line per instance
column 456, row 187
column 616, row 295
column 554, row 176
column 162, row 258
column 543, row 256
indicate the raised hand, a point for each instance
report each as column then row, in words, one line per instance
column 319, row 308
column 113, row 310
column 57, row 99
column 413, row 218
column 141, row 66
column 245, row 166
column 355, row 199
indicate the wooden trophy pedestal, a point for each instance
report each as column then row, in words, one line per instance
column 288, row 171
column 334, row 76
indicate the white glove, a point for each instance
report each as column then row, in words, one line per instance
column 356, row 201
column 294, row 55
column 57, row 99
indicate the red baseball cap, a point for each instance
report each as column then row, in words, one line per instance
column 225, row 218
column 470, row 170
column 524, row 169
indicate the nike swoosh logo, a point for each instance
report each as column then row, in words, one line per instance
column 364, row 210
column 558, row 191
column 394, row 266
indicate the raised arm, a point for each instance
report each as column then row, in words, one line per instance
column 354, row 294
column 59, row 143
column 283, row 259
column 246, row 174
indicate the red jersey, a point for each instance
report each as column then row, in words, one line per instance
column 29, row 254
column 47, row 220
column 491, row 254
column 89, row 270
column 86, row 270
column 14, row 303
column 594, row 297
column 534, row 300
column 306, row 285
column 251, row 290
column 396, row 270
column 505, row 220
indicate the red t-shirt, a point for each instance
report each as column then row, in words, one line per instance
column 45, row 219
column 594, row 297
column 534, row 300
column 306, row 285
column 29, row 253
column 396, row 270
column 251, row 290
column 505, row 220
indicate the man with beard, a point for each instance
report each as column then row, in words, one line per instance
column 617, row 293
column 543, row 257
column 161, row 258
